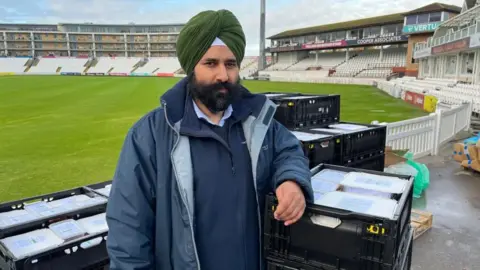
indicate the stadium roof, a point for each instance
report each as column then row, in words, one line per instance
column 367, row 22
column 122, row 24
column 435, row 7
column 463, row 18
column 372, row 21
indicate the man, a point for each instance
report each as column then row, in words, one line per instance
column 189, row 190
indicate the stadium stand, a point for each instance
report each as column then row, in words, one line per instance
column 160, row 65
column 369, row 64
column 447, row 91
column 114, row 65
column 55, row 65
column 15, row 65
column 323, row 61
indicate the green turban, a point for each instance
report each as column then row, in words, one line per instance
column 199, row 33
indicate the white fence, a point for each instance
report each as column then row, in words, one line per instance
column 425, row 135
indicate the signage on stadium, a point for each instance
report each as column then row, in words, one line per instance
column 340, row 43
column 425, row 52
column 420, row 28
column 450, row 47
column 284, row 48
column 378, row 40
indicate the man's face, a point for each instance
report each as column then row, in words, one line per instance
column 215, row 80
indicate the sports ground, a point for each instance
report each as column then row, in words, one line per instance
column 59, row 132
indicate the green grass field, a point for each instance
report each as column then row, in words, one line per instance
column 61, row 132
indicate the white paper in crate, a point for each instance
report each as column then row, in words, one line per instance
column 386, row 184
column 105, row 191
column 329, row 176
column 16, row 217
column 31, row 243
column 369, row 205
column 67, row 229
column 330, row 130
column 94, row 224
column 64, row 205
column 348, row 127
column 307, row 137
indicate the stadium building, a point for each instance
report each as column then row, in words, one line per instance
column 453, row 52
column 94, row 49
column 376, row 47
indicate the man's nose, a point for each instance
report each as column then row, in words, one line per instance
column 222, row 75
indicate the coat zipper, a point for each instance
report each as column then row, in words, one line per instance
column 184, row 200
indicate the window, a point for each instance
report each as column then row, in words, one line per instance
column 422, row 18
column 389, row 29
column 467, row 63
column 411, row 19
column 451, row 65
column 425, row 67
column 435, row 17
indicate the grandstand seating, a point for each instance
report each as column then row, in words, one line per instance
column 367, row 64
column 445, row 90
column 325, row 61
column 57, row 65
column 159, row 65
column 114, row 65
column 249, row 66
column 16, row 65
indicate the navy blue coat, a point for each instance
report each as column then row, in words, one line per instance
column 151, row 205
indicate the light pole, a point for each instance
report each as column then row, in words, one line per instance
column 262, row 61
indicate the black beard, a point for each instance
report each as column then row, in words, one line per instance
column 211, row 96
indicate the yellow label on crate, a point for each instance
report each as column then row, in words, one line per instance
column 430, row 103
column 376, row 229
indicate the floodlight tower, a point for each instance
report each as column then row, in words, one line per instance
column 262, row 60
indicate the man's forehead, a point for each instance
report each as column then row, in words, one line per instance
column 219, row 53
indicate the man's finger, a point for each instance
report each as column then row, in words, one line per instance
column 283, row 204
column 289, row 210
column 297, row 217
column 296, row 207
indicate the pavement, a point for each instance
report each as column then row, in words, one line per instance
column 453, row 198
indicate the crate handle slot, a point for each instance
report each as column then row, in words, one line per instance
column 326, row 221
column 91, row 243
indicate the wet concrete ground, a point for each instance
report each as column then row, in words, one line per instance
column 454, row 199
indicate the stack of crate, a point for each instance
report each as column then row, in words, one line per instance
column 315, row 120
column 360, row 219
column 61, row 230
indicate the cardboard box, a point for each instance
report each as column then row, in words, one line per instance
column 463, row 152
column 392, row 158
column 471, row 164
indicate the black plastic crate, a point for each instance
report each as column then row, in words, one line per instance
column 359, row 143
column 299, row 111
column 275, row 95
column 359, row 240
column 99, row 185
column 403, row 262
column 45, row 221
column 326, row 149
column 71, row 255
column 96, row 186
column 374, row 161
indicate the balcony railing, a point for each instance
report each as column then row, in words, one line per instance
column 452, row 36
